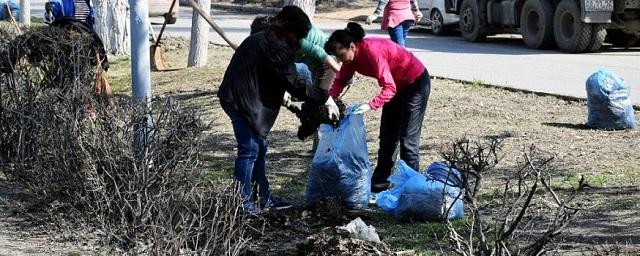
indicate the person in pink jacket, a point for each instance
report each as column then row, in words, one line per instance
column 398, row 16
column 405, row 88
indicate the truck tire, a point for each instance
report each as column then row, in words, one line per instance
column 437, row 23
column 473, row 22
column 598, row 34
column 571, row 34
column 536, row 23
column 621, row 39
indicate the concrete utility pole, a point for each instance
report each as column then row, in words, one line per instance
column 140, row 65
column 25, row 12
column 141, row 73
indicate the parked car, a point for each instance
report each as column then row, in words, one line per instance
column 436, row 17
column 160, row 8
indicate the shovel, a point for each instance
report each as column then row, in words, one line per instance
column 157, row 54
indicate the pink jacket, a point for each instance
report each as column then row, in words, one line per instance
column 380, row 58
column 396, row 12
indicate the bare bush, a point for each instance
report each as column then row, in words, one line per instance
column 522, row 218
column 70, row 147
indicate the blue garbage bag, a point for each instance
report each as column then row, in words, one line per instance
column 608, row 102
column 415, row 196
column 340, row 167
column 14, row 5
column 388, row 199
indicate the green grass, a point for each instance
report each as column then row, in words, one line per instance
column 594, row 180
column 477, row 82
column 424, row 238
column 119, row 75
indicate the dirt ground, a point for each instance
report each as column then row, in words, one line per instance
column 608, row 160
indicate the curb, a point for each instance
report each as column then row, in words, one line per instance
column 636, row 107
column 244, row 8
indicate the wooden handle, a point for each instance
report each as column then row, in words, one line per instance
column 215, row 26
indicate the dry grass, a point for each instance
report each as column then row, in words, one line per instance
column 608, row 160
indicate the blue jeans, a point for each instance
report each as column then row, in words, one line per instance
column 250, row 162
column 399, row 33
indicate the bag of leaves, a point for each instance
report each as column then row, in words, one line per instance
column 340, row 168
column 423, row 197
column 608, row 102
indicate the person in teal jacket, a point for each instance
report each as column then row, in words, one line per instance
column 323, row 67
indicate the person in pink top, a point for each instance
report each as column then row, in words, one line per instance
column 405, row 87
column 398, row 16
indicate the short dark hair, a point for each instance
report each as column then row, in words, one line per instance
column 353, row 33
column 291, row 18
column 260, row 23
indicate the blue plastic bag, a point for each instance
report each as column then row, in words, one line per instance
column 388, row 199
column 608, row 102
column 340, row 167
column 415, row 196
column 14, row 5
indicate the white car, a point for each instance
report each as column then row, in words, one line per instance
column 436, row 17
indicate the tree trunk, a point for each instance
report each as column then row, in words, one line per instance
column 112, row 24
column 198, row 49
column 308, row 6
column 25, row 12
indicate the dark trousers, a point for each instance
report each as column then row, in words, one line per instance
column 401, row 123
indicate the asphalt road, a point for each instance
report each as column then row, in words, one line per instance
column 503, row 60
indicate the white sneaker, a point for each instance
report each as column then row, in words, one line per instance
column 373, row 198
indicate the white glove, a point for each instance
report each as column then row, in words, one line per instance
column 370, row 19
column 332, row 109
column 417, row 15
column 286, row 100
column 362, row 109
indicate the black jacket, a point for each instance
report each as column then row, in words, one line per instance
column 259, row 73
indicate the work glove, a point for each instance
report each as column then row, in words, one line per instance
column 370, row 19
column 332, row 110
column 417, row 15
column 361, row 109
column 286, row 100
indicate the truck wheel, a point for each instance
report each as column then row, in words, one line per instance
column 571, row 34
column 536, row 23
column 598, row 34
column 437, row 23
column 621, row 39
column 472, row 21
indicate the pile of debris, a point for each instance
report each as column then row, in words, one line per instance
column 355, row 238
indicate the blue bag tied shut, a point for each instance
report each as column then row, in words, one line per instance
column 608, row 102
column 431, row 196
column 340, row 167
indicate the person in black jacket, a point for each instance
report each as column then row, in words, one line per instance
column 260, row 72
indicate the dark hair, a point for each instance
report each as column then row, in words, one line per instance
column 291, row 18
column 353, row 33
column 260, row 23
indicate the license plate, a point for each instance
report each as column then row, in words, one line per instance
column 598, row 5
